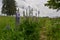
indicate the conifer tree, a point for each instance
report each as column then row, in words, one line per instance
column 9, row 7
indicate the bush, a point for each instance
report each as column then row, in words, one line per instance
column 30, row 30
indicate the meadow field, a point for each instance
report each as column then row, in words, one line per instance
column 49, row 28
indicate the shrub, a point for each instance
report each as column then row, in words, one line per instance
column 30, row 30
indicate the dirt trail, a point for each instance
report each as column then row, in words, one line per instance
column 43, row 33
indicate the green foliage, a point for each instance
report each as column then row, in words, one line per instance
column 55, row 4
column 27, row 30
column 54, row 29
column 31, row 30
column 11, row 35
column 9, row 7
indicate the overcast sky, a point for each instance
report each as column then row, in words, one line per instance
column 38, row 4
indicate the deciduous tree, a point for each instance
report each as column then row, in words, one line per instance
column 54, row 4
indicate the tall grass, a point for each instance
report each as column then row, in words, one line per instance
column 29, row 30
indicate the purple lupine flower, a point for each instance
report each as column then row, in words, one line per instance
column 17, row 17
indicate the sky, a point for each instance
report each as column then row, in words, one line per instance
column 37, row 4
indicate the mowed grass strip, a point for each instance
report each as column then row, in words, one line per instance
column 6, row 20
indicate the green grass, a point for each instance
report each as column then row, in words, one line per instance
column 7, row 20
column 52, row 26
column 9, row 34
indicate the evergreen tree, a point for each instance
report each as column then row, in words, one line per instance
column 9, row 7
